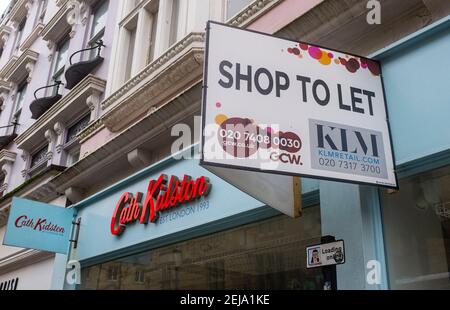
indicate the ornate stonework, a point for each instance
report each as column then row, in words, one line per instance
column 252, row 12
column 179, row 65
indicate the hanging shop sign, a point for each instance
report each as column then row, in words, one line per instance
column 162, row 194
column 39, row 226
column 291, row 108
column 326, row 254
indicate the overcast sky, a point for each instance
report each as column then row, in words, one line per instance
column 3, row 5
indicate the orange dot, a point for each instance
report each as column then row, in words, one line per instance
column 220, row 118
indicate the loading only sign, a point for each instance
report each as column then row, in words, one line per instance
column 326, row 254
column 292, row 108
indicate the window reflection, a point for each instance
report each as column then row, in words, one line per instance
column 416, row 222
column 265, row 255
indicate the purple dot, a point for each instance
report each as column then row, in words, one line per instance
column 218, row 105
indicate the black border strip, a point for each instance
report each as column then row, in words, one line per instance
column 205, row 91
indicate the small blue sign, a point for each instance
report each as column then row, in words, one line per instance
column 38, row 226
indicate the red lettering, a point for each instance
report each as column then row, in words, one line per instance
column 162, row 194
column 18, row 225
column 116, row 227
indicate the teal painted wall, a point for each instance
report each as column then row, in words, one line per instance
column 417, row 83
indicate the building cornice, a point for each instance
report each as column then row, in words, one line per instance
column 22, row 258
column 37, row 188
column 76, row 96
column 7, row 67
column 57, row 26
column 5, row 31
column 32, row 37
column 20, row 10
column 20, row 67
column 90, row 130
column 150, row 126
column 5, row 87
column 59, row 3
column 180, row 65
column 252, row 12
column 7, row 156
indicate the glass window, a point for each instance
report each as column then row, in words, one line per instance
column 42, row 11
column 416, row 223
column 174, row 22
column 269, row 254
column 99, row 19
column 20, row 99
column 39, row 157
column 151, row 51
column 61, row 60
column 74, row 130
column 19, row 35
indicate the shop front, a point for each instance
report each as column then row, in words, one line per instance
column 209, row 235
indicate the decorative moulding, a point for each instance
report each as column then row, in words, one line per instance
column 5, row 31
column 252, row 12
column 7, row 156
column 62, row 111
column 7, row 67
column 180, row 66
column 20, row 67
column 5, row 87
column 32, row 37
column 57, row 27
column 59, row 3
column 20, row 10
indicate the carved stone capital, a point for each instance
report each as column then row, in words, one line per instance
column 4, row 38
column 93, row 100
column 30, row 68
column 59, row 128
column 28, row 7
column 50, row 136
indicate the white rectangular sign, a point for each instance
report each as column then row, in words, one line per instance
column 285, row 107
column 327, row 254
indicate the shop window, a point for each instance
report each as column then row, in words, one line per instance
column 416, row 223
column 113, row 273
column 238, row 258
column 139, row 276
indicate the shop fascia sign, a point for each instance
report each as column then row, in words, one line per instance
column 276, row 109
column 162, row 195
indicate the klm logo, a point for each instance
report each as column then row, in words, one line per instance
column 347, row 149
column 347, row 140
